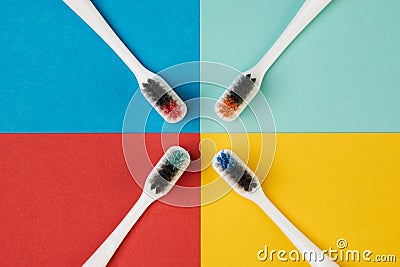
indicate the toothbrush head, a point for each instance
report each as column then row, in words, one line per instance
column 234, row 171
column 167, row 103
column 236, row 97
column 167, row 171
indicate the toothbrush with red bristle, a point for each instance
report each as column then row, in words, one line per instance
column 158, row 183
column 243, row 180
column 154, row 88
column 244, row 88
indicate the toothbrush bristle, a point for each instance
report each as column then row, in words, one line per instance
column 235, row 171
column 236, row 94
column 171, row 165
column 161, row 98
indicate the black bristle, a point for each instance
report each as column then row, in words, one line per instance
column 165, row 100
column 153, row 90
column 242, row 87
column 168, row 171
column 164, row 175
column 158, row 183
column 156, row 92
column 246, row 182
column 240, row 176
column 235, row 97
column 236, row 171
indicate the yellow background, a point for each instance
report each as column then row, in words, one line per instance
column 330, row 186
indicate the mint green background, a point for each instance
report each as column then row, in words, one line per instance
column 341, row 74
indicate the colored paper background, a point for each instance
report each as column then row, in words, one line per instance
column 334, row 95
column 63, row 194
column 59, row 76
column 340, row 74
column 330, row 186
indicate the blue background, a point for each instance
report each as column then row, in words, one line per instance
column 340, row 75
column 59, row 76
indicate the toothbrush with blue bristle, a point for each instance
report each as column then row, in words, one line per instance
column 158, row 183
column 243, row 180
column 246, row 85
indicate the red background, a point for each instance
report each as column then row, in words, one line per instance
column 63, row 194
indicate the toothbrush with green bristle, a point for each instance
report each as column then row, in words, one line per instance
column 158, row 183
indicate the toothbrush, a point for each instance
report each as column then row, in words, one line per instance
column 243, row 180
column 158, row 183
column 155, row 89
column 243, row 89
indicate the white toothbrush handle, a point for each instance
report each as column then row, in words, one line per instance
column 104, row 253
column 88, row 13
column 309, row 10
column 299, row 240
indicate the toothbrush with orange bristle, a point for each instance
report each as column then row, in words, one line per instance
column 244, row 88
